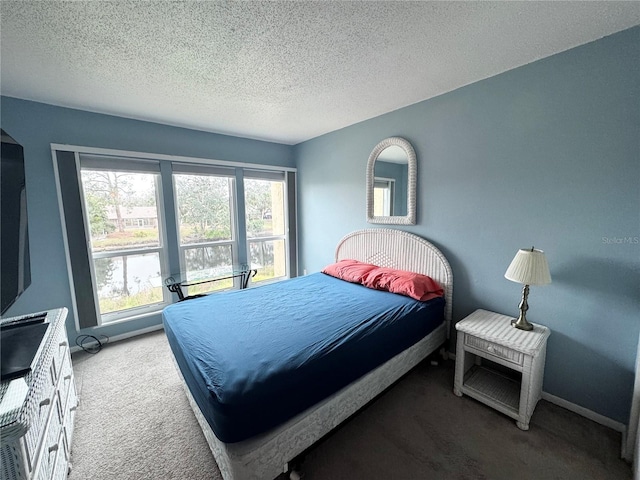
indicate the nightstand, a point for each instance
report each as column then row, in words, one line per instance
column 488, row 335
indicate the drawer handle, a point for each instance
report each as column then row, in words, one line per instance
column 67, row 377
column 63, row 343
column 53, row 448
column 46, row 401
column 74, row 408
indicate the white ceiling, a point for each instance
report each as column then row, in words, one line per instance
column 279, row 71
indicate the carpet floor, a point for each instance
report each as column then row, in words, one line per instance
column 134, row 422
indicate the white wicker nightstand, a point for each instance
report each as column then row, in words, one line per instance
column 489, row 335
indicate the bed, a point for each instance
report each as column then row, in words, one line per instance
column 265, row 369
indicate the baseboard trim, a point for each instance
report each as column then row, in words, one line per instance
column 585, row 412
column 124, row 336
column 596, row 417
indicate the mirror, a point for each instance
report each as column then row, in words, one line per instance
column 391, row 183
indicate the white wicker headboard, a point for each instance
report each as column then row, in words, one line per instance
column 397, row 249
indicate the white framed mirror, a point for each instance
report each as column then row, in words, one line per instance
column 391, row 183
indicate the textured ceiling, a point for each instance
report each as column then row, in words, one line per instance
column 279, row 71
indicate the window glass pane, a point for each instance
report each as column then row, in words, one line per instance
column 269, row 258
column 122, row 209
column 207, row 263
column 128, row 281
column 204, row 208
column 264, row 205
column 123, row 218
column 382, row 201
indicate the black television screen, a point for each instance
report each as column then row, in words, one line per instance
column 15, row 268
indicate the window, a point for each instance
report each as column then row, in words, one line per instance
column 205, row 228
column 383, row 192
column 133, row 220
column 266, row 224
column 126, row 243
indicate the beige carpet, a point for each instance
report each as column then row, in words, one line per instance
column 134, row 422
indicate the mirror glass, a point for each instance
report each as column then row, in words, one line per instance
column 391, row 174
column 391, row 183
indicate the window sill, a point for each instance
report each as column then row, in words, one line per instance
column 157, row 310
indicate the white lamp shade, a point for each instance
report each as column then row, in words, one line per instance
column 529, row 267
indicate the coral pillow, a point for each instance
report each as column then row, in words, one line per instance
column 414, row 285
column 349, row 270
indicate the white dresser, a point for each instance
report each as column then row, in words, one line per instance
column 38, row 409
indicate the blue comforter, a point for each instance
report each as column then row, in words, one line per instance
column 254, row 358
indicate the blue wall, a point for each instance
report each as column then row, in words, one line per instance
column 36, row 126
column 547, row 155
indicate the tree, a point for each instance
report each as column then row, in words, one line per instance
column 204, row 205
column 111, row 187
column 257, row 194
column 108, row 189
column 97, row 211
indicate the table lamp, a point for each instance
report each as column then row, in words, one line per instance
column 528, row 267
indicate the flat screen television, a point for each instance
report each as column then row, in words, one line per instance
column 15, row 266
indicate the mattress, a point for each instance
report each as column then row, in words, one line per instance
column 254, row 358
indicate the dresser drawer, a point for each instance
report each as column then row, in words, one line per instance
column 61, row 465
column 66, row 387
column 495, row 350
column 60, row 349
column 45, row 401
column 51, row 439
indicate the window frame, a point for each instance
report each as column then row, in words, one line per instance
column 109, row 318
column 233, row 208
column 79, row 256
column 267, row 176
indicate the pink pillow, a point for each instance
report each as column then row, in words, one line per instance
column 349, row 270
column 414, row 285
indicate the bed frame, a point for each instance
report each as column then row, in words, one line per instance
column 268, row 455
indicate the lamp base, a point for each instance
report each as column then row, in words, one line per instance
column 522, row 324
